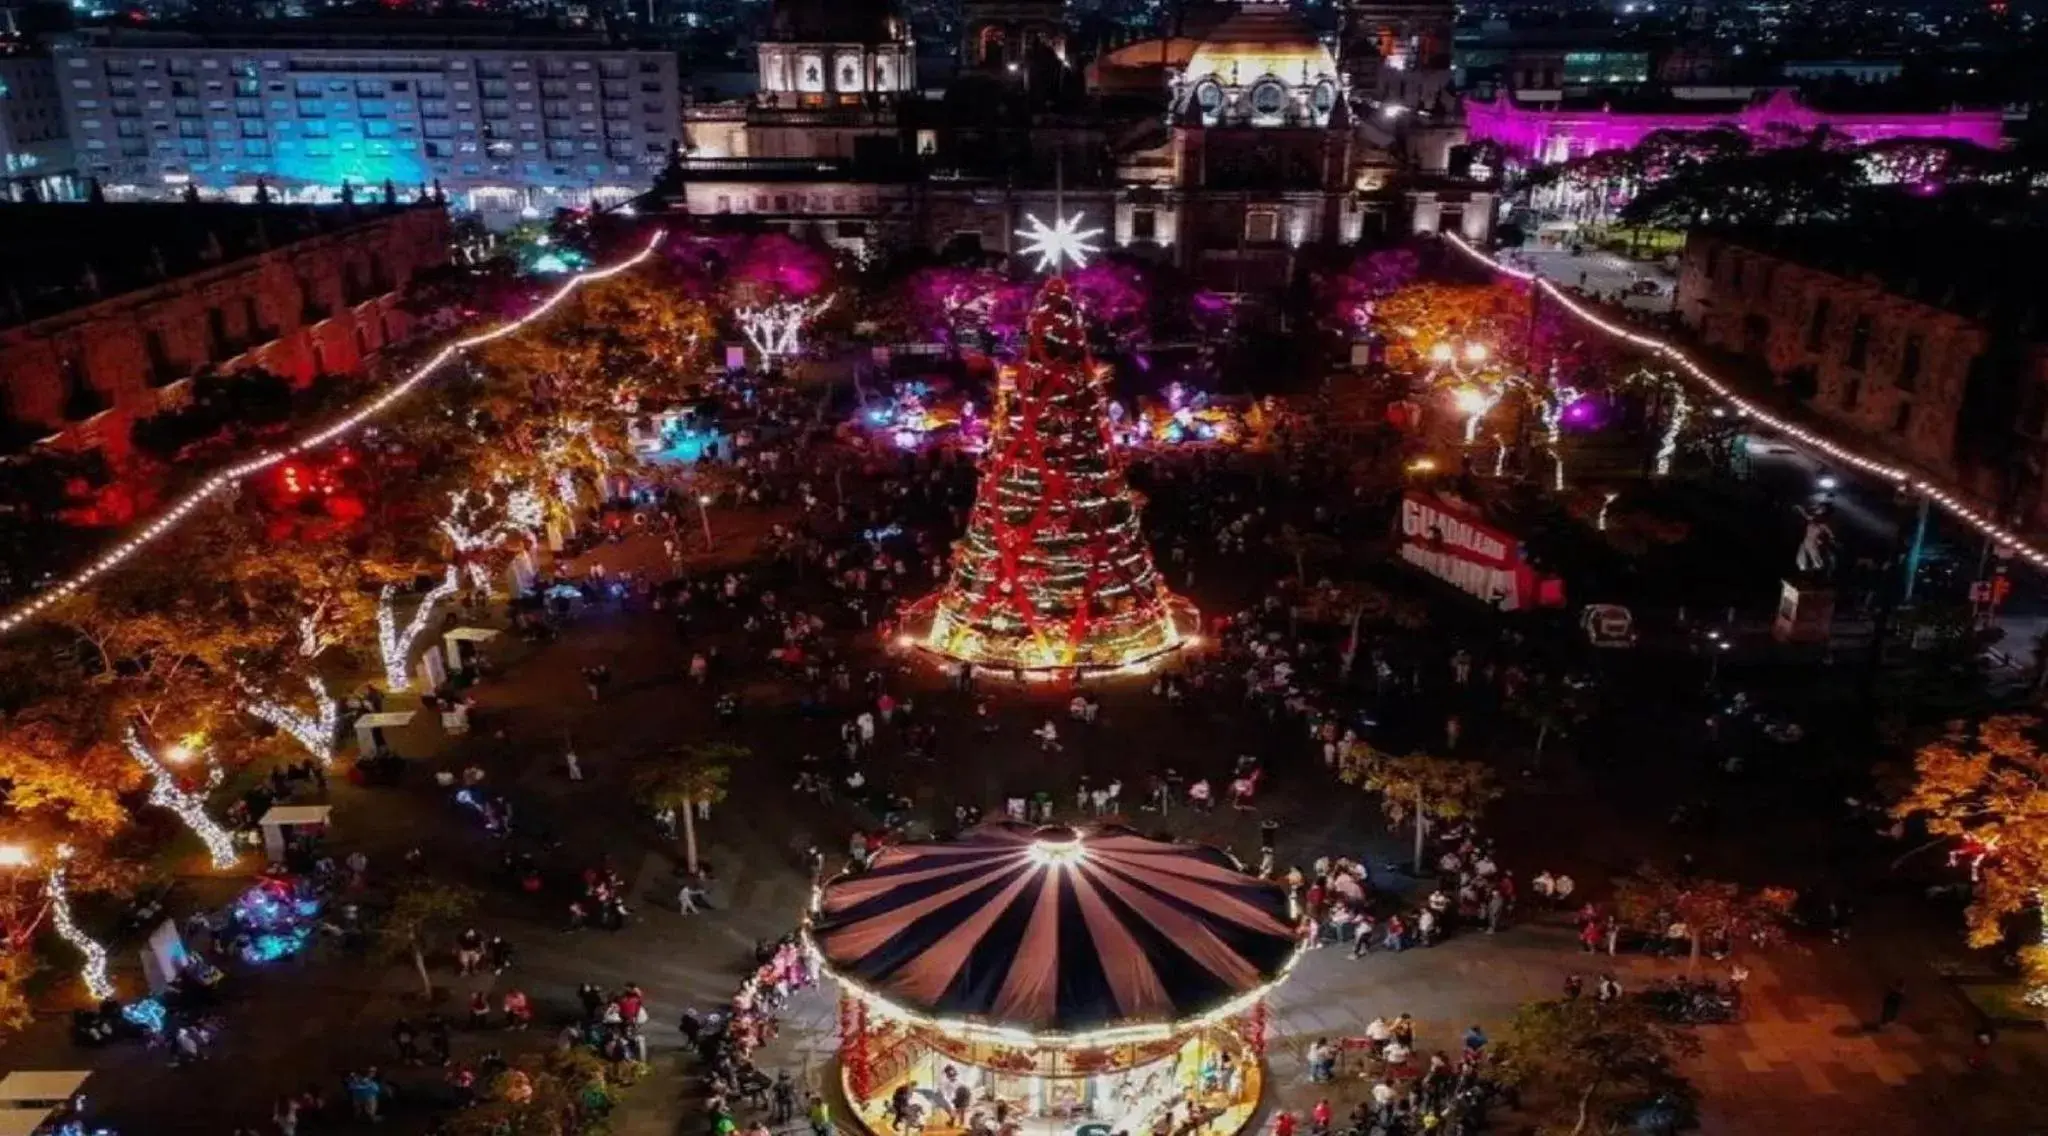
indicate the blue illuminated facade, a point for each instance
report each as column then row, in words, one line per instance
column 506, row 126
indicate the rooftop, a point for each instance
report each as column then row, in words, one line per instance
column 66, row 256
column 359, row 32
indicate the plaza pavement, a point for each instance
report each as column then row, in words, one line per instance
column 1801, row 1063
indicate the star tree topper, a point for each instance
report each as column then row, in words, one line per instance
column 1063, row 240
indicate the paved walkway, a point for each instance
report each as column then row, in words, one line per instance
column 1801, row 1063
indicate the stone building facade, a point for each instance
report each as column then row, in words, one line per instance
column 1934, row 370
column 1224, row 154
column 174, row 290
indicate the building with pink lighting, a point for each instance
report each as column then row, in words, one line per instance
column 1557, row 134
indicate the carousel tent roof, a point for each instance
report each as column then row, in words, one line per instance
column 1047, row 931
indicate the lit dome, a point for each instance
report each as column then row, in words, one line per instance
column 1259, row 40
column 1262, row 66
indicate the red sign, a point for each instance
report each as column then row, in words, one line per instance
column 1448, row 540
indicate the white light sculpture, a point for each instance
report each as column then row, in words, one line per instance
column 1552, row 410
column 524, row 508
column 776, row 330
column 190, row 807
column 1681, row 411
column 467, row 541
column 315, row 732
column 94, row 970
column 1062, row 242
column 396, row 646
column 1473, row 403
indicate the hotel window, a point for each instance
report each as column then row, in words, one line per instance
column 1144, row 225
column 1902, row 418
column 1859, row 343
column 1261, row 226
column 1909, row 363
column 1817, row 323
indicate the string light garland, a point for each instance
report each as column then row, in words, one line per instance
column 1903, row 478
column 395, row 646
column 776, row 330
column 233, row 475
column 165, row 792
column 1681, row 413
column 94, row 971
column 315, row 732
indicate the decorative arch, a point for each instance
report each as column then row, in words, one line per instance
column 991, row 45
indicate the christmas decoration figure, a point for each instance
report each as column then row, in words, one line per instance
column 1053, row 574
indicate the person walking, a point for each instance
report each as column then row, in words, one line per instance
column 1894, row 1001
column 784, row 1095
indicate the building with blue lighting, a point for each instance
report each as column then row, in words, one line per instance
column 35, row 148
column 508, row 124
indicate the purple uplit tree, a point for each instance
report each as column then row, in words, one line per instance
column 965, row 306
column 1345, row 299
column 777, row 286
column 1115, row 297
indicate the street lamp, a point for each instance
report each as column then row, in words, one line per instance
column 704, row 514
column 1715, row 646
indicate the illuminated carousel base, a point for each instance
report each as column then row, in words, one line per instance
column 1190, row 1083
column 917, row 631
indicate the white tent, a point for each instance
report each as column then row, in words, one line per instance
column 370, row 728
column 49, row 1087
column 463, row 643
column 282, row 817
column 23, row 1121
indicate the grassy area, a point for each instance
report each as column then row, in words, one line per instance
column 2001, row 1002
column 1642, row 243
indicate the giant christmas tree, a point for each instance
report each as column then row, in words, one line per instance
column 1053, row 573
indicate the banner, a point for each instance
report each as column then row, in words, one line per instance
column 1447, row 539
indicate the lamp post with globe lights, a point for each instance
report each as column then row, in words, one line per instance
column 1469, row 368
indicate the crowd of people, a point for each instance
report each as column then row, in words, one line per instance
column 857, row 531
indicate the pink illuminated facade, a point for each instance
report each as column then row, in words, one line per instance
column 1546, row 135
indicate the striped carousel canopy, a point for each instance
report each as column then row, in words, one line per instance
column 1054, row 931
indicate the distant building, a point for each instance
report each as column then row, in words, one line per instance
column 108, row 310
column 1546, row 63
column 35, row 148
column 1398, row 50
column 1224, row 152
column 1853, row 70
column 1939, row 361
column 996, row 35
column 507, row 125
column 1555, row 133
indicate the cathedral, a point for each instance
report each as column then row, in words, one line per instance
column 1224, row 150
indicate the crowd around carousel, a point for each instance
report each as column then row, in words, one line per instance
column 1032, row 981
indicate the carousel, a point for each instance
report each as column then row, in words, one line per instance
column 1041, row 981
